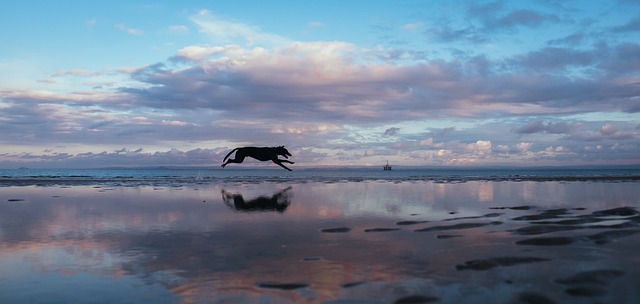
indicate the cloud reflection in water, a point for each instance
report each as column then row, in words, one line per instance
column 191, row 244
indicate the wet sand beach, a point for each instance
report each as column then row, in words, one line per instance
column 306, row 241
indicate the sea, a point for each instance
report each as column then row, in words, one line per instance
column 320, row 235
column 27, row 176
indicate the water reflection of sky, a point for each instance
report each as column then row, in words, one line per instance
column 191, row 243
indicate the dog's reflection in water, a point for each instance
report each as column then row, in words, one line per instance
column 277, row 202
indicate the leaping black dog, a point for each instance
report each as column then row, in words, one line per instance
column 259, row 153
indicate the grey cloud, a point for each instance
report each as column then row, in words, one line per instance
column 122, row 157
column 495, row 16
column 446, row 33
column 397, row 54
column 391, row 131
column 486, row 20
column 553, row 58
column 629, row 27
column 485, row 9
column 288, row 95
column 621, row 59
column 606, row 132
column 447, row 130
column 571, row 40
column 522, row 17
column 545, row 127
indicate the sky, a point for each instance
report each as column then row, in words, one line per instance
column 339, row 83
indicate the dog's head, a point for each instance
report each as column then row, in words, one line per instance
column 282, row 151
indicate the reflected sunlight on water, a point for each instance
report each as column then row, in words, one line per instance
column 314, row 242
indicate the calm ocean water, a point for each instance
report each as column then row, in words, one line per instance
column 356, row 235
column 186, row 175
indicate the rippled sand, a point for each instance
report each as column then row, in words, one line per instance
column 322, row 242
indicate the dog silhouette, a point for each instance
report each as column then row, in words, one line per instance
column 259, row 153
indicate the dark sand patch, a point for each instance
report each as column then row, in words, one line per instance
column 544, row 215
column 577, row 221
column 489, row 215
column 283, row 286
column 417, row 299
column 448, row 236
column 590, row 283
column 353, row 284
column 535, row 217
column 601, row 277
column 592, row 291
column 533, row 298
column 381, row 229
column 609, row 236
column 406, row 223
column 542, row 229
column 513, row 208
column 457, row 226
column 598, row 238
column 336, row 230
column 499, row 261
column 547, row 241
column 594, row 217
column 559, row 211
column 310, row 259
column 622, row 211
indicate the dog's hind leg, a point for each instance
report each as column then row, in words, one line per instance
column 238, row 160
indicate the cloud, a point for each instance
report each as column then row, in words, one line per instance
column 632, row 26
column 545, row 127
column 554, row 58
column 521, row 17
column 74, row 72
column 316, row 24
column 610, row 131
column 487, row 21
column 523, row 147
column 497, row 16
column 427, row 142
column 413, row 26
column 179, row 29
column 480, row 147
column 230, row 31
column 337, row 101
column 129, row 30
column 391, row 131
column 119, row 157
column 574, row 39
column 196, row 53
column 446, row 33
column 329, row 80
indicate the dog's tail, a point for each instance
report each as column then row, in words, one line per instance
column 225, row 158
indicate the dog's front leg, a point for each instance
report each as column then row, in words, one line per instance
column 277, row 162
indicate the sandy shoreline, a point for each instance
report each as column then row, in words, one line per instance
column 322, row 242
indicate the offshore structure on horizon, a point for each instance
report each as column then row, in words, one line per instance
column 386, row 167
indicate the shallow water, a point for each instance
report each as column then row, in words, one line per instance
column 330, row 241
